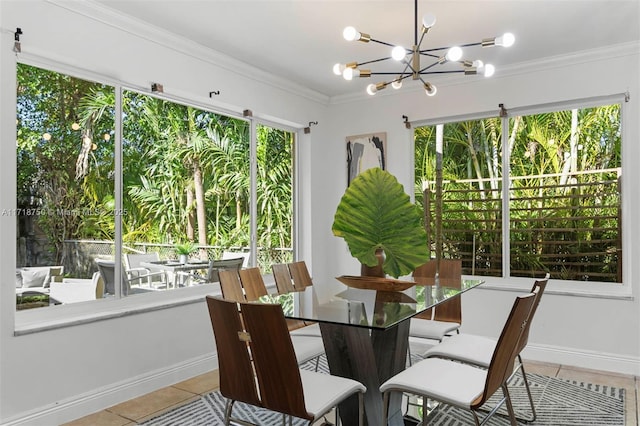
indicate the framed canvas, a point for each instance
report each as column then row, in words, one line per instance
column 365, row 152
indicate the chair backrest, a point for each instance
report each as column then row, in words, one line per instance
column 254, row 337
column 234, row 255
column 282, row 277
column 540, row 286
column 504, row 354
column 133, row 260
column 230, row 285
column 300, row 275
column 218, row 265
column 449, row 275
column 107, row 269
column 253, row 284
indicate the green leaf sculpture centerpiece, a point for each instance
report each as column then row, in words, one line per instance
column 376, row 216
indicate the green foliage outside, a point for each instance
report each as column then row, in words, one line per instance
column 564, row 199
column 185, row 171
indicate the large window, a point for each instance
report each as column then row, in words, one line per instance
column 556, row 208
column 188, row 186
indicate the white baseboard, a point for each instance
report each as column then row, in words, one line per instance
column 107, row 396
column 610, row 362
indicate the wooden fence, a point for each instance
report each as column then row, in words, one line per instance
column 571, row 230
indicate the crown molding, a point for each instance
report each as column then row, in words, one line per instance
column 182, row 45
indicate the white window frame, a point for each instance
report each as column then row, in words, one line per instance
column 566, row 287
column 44, row 319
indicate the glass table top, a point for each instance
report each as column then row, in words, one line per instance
column 367, row 308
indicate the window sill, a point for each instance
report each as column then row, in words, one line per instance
column 598, row 290
column 60, row 316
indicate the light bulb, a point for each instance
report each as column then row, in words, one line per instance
column 396, row 84
column 46, row 136
column 428, row 21
column 350, row 34
column 489, row 70
column 398, row 53
column 349, row 73
column 505, row 40
column 372, row 89
column 454, row 54
column 338, row 68
column 478, row 64
column 430, row 89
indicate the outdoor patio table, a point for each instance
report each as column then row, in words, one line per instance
column 173, row 267
column 365, row 335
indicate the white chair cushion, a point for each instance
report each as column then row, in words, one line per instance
column 447, row 381
column 309, row 330
column 476, row 350
column 307, row 348
column 431, row 329
column 322, row 391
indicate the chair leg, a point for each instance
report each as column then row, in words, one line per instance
column 361, row 410
column 512, row 414
column 385, row 407
column 227, row 411
column 526, row 385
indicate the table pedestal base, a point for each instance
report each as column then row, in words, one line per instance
column 370, row 357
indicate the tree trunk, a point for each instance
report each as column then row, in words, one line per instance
column 200, row 210
column 190, row 214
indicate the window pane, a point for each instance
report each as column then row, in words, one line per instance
column 470, row 206
column 65, row 186
column 186, row 191
column 565, row 194
column 274, row 196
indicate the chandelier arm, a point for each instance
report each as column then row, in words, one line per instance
column 423, row 70
column 439, row 72
column 382, row 42
column 429, row 54
column 386, row 58
column 437, row 49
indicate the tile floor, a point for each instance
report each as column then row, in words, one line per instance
column 155, row 403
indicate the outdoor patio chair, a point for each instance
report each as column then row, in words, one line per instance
column 463, row 385
column 107, row 271
column 135, row 271
column 258, row 365
column 234, row 255
column 477, row 350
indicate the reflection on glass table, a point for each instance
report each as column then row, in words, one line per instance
column 365, row 334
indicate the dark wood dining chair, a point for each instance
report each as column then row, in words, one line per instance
column 477, row 350
column 231, row 286
column 282, row 277
column 247, row 285
column 444, row 319
column 463, row 385
column 300, row 275
column 252, row 283
column 258, row 366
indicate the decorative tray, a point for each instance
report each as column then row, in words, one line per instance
column 375, row 283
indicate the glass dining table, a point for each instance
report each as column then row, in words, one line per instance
column 366, row 335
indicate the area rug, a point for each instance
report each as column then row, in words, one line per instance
column 558, row 402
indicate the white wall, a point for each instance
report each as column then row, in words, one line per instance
column 53, row 376
column 594, row 332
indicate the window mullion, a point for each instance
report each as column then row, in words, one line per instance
column 118, row 185
column 506, row 186
column 253, row 191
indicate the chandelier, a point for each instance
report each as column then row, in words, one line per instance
column 451, row 58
